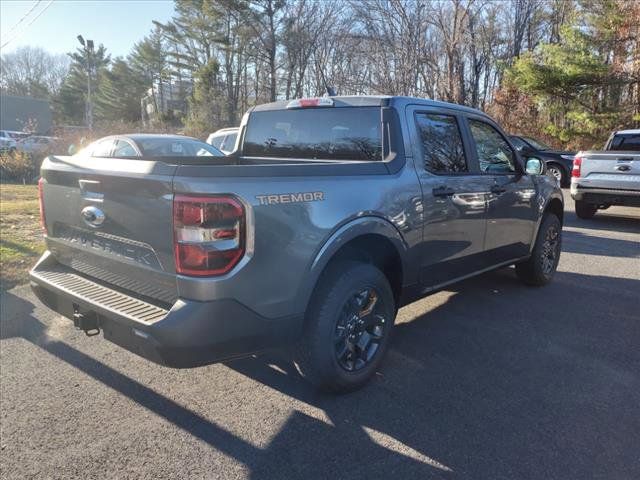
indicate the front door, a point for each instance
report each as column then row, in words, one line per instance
column 511, row 197
column 453, row 197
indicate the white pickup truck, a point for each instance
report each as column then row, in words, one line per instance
column 609, row 177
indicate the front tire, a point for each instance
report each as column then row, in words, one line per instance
column 348, row 327
column 585, row 210
column 540, row 268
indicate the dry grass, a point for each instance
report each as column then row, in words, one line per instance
column 21, row 240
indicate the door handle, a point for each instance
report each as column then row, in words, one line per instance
column 443, row 191
column 498, row 189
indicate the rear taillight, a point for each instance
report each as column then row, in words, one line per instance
column 43, row 221
column 209, row 234
column 577, row 163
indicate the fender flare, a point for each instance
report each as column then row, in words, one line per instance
column 341, row 236
column 543, row 207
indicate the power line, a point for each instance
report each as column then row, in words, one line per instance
column 23, row 17
column 27, row 25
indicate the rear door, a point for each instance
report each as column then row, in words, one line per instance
column 111, row 218
column 453, row 196
column 511, row 194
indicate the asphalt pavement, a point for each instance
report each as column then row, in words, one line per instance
column 486, row 380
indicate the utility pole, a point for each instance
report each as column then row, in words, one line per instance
column 88, row 50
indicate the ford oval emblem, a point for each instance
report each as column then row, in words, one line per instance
column 92, row 216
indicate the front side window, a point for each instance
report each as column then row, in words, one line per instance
column 442, row 148
column 494, row 153
column 343, row 133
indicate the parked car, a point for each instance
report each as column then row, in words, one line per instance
column 7, row 141
column 147, row 145
column 37, row 145
column 224, row 139
column 559, row 163
column 332, row 213
column 608, row 177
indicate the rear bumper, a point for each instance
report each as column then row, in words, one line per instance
column 185, row 334
column 605, row 196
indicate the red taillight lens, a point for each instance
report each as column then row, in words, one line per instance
column 43, row 221
column 209, row 234
column 577, row 163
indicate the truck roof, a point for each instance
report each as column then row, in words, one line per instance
column 375, row 101
column 633, row 131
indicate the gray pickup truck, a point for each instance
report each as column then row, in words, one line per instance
column 331, row 214
column 609, row 177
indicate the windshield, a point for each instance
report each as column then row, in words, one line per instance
column 537, row 144
column 176, row 147
column 348, row 133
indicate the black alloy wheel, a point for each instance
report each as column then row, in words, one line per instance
column 360, row 329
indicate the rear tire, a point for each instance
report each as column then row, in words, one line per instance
column 585, row 210
column 539, row 269
column 556, row 171
column 348, row 327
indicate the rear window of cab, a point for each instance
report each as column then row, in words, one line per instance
column 345, row 133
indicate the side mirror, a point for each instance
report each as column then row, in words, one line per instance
column 534, row 166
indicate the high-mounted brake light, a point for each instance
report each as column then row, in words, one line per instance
column 577, row 164
column 310, row 102
column 209, row 234
column 43, row 221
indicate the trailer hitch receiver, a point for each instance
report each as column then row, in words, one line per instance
column 86, row 321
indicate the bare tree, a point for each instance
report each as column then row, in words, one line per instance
column 33, row 72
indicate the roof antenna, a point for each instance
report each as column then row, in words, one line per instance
column 330, row 91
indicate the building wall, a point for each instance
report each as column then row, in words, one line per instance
column 16, row 113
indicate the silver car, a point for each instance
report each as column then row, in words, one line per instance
column 224, row 139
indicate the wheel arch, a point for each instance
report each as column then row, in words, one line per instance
column 556, row 207
column 369, row 239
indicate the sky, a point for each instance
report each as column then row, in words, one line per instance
column 117, row 24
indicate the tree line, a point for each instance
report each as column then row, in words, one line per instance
column 564, row 70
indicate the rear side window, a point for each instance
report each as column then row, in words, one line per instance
column 345, row 133
column 229, row 142
column 442, row 148
column 176, row 147
column 102, row 148
column 519, row 143
column 217, row 141
column 124, row 149
column 629, row 142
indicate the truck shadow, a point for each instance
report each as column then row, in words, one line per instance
column 495, row 381
column 499, row 381
column 276, row 461
column 578, row 242
column 605, row 220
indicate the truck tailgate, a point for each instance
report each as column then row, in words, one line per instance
column 111, row 219
column 610, row 170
